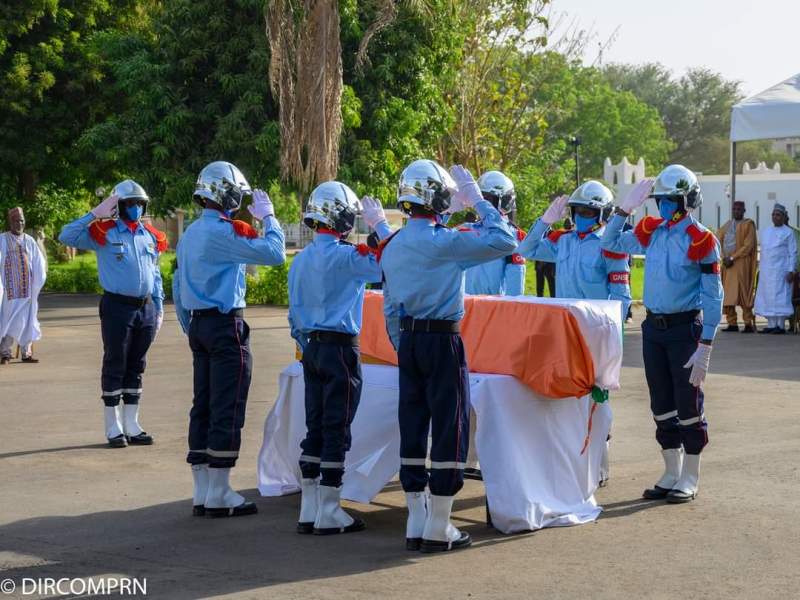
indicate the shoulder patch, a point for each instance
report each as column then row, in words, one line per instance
column 703, row 242
column 556, row 234
column 162, row 245
column 99, row 229
column 645, row 228
column 615, row 255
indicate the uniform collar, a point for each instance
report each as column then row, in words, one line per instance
column 325, row 237
column 595, row 231
column 215, row 214
column 421, row 222
column 123, row 226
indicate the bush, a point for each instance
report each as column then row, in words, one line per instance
column 77, row 278
column 270, row 287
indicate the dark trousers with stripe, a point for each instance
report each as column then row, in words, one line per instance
column 127, row 331
column 332, row 375
column 676, row 404
column 222, row 362
column 434, row 396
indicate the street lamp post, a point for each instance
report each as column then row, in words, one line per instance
column 575, row 141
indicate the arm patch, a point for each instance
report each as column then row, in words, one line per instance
column 710, row 268
column 515, row 259
column 622, row 277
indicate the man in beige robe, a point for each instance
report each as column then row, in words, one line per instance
column 739, row 244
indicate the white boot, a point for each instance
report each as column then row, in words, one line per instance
column 113, row 425
column 673, row 461
column 331, row 518
column 200, row 477
column 440, row 534
column 221, row 500
column 309, row 505
column 130, row 423
column 686, row 488
column 417, row 516
column 130, row 420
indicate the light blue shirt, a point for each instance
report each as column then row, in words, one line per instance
column 582, row 270
column 326, row 287
column 424, row 264
column 127, row 263
column 212, row 260
column 499, row 277
column 672, row 281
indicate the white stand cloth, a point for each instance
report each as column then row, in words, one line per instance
column 529, row 447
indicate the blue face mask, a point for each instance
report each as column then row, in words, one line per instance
column 134, row 213
column 667, row 208
column 584, row 224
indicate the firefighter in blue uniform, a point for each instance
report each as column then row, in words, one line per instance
column 682, row 278
column 503, row 276
column 326, row 296
column 423, row 266
column 583, row 268
column 131, row 309
column 209, row 290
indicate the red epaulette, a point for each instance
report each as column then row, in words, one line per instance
column 521, row 234
column 162, row 245
column 703, row 242
column 615, row 255
column 243, row 229
column 99, row 229
column 556, row 234
column 645, row 228
column 363, row 249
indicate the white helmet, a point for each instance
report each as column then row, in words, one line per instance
column 425, row 183
column 593, row 194
column 499, row 190
column 678, row 183
column 333, row 205
column 222, row 183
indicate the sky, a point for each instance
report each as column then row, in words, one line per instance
column 755, row 42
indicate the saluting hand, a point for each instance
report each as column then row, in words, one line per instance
column 261, row 208
column 372, row 211
column 107, row 208
column 637, row 196
column 468, row 194
column 555, row 211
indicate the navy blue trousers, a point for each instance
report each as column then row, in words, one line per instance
column 127, row 332
column 434, row 396
column 676, row 404
column 332, row 374
column 222, row 368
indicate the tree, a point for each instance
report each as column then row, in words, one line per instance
column 51, row 86
column 196, row 90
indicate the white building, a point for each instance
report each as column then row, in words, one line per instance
column 790, row 146
column 760, row 188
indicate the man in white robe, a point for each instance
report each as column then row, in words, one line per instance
column 777, row 272
column 23, row 269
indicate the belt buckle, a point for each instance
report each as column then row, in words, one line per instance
column 661, row 322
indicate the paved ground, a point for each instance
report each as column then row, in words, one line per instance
column 69, row 507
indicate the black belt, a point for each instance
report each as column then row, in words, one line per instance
column 665, row 321
column 334, row 337
column 215, row 312
column 429, row 325
column 132, row 300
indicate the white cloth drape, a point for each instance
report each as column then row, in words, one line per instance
column 778, row 257
column 529, row 447
column 19, row 316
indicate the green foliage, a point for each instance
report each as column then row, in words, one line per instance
column 197, row 91
column 76, row 277
column 270, row 287
column 51, row 87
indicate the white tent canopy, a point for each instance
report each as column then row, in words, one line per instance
column 774, row 113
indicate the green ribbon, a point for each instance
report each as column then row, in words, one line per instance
column 599, row 395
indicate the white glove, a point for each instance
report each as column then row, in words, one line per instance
column 699, row 364
column 372, row 211
column 555, row 211
column 637, row 196
column 261, row 208
column 159, row 321
column 468, row 194
column 107, row 208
